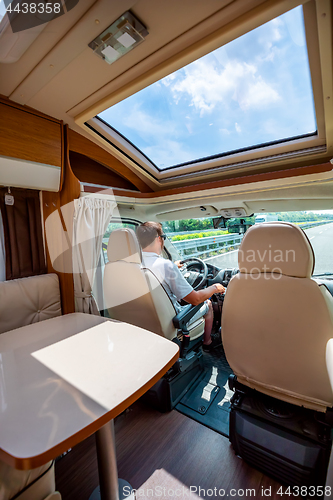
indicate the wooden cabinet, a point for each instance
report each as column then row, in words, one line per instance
column 31, row 136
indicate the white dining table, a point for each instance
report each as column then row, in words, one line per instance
column 66, row 378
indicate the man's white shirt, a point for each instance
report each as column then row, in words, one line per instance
column 169, row 275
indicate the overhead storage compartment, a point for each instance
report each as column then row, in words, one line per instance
column 31, row 148
column 27, row 174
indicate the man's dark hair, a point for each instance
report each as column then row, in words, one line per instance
column 147, row 232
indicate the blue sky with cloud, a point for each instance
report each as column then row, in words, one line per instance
column 253, row 90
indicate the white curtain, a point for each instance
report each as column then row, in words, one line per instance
column 91, row 219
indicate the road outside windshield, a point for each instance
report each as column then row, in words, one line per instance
column 219, row 247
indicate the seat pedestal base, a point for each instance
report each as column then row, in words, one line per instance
column 169, row 390
column 287, row 442
column 124, row 489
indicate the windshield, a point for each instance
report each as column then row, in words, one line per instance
column 219, row 247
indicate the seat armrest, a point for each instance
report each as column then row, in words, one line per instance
column 329, row 360
column 184, row 316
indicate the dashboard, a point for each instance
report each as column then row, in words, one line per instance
column 215, row 274
column 223, row 276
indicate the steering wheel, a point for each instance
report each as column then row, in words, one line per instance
column 192, row 276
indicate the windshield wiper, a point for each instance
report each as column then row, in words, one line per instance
column 322, row 274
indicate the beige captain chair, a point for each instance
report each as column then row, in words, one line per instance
column 276, row 320
column 133, row 294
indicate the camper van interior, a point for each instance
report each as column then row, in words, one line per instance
column 215, row 119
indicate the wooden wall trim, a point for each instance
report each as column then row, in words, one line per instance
column 246, row 179
column 91, row 171
column 71, row 188
column 62, row 175
column 80, row 144
column 63, row 229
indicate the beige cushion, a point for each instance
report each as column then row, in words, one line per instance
column 133, row 294
column 276, row 246
column 28, row 300
column 124, row 246
column 12, row 481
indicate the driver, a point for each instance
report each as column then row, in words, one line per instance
column 151, row 239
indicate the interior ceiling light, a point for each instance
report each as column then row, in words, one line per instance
column 119, row 38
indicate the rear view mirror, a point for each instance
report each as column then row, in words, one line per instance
column 219, row 222
column 239, row 226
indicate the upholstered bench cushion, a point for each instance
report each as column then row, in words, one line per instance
column 13, row 481
column 28, row 300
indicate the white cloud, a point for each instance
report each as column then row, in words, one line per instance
column 188, row 125
column 257, row 95
column 224, row 131
column 168, row 152
column 162, row 136
column 273, row 33
column 275, row 24
column 221, row 55
column 208, row 86
column 238, row 128
column 168, row 79
column 269, row 57
column 146, row 125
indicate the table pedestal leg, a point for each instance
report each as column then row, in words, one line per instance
column 110, row 487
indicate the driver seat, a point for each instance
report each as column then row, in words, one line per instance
column 133, row 294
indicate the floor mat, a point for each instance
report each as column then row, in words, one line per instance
column 208, row 400
column 201, row 399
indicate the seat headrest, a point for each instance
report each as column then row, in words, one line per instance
column 123, row 245
column 278, row 247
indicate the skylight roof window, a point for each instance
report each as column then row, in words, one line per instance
column 254, row 91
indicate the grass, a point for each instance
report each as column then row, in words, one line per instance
column 193, row 236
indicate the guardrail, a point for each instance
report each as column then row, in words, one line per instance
column 301, row 224
column 181, row 233
column 307, row 225
column 203, row 246
column 197, row 247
